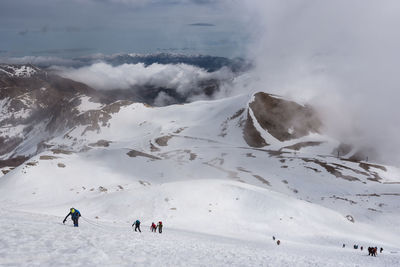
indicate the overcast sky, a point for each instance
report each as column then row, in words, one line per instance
column 74, row 27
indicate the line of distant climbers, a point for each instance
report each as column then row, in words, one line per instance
column 75, row 214
column 372, row 251
column 153, row 226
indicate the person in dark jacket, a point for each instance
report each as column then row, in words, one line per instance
column 160, row 225
column 137, row 225
column 75, row 214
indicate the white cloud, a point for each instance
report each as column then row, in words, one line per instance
column 340, row 55
column 182, row 78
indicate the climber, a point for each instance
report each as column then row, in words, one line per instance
column 75, row 214
column 153, row 227
column 160, row 226
column 137, row 225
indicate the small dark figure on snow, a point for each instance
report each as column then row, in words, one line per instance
column 343, row 245
column 374, row 251
column 160, row 225
column 153, row 227
column 75, row 214
column 369, row 251
column 381, row 250
column 355, row 246
column 361, row 248
column 278, row 242
column 137, row 226
column 273, row 237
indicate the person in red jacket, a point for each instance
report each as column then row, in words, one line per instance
column 153, row 227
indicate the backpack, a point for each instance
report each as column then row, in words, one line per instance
column 160, row 223
column 137, row 222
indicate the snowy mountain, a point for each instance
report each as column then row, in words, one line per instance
column 224, row 173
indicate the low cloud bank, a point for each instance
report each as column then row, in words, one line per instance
column 177, row 81
column 341, row 56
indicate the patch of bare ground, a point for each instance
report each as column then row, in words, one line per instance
column 367, row 166
column 294, row 190
column 375, row 179
column 242, row 169
column 32, row 163
column 368, row 195
column 331, row 169
column 250, row 155
column 135, row 153
column 231, row 174
column 61, row 151
column 192, row 156
column 351, row 169
column 13, row 162
column 301, row 145
column 5, row 171
column 314, row 169
column 224, row 125
column 375, row 210
column 350, row 218
column 344, row 199
column 61, row 165
column 197, row 138
column 8, row 144
column 391, row 182
column 153, row 148
column 178, row 131
column 180, row 155
column 97, row 118
column 163, row 140
column 101, row 143
column 102, row 189
column 284, row 119
column 47, row 157
column 258, row 177
column 261, row 179
column 85, row 149
column 250, row 134
column 144, row 183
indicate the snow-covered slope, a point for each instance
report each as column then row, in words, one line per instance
column 241, row 169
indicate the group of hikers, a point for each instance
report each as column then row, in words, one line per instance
column 75, row 214
column 153, row 226
column 372, row 251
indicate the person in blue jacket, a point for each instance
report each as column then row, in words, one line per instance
column 75, row 214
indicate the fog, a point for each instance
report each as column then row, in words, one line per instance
column 183, row 79
column 341, row 56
